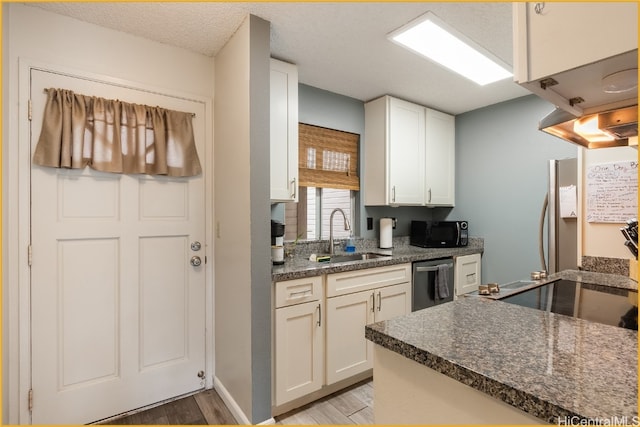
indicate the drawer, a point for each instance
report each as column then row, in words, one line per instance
column 291, row 292
column 369, row 278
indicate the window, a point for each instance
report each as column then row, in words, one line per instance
column 328, row 174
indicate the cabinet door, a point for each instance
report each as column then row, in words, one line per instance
column 392, row 301
column 546, row 45
column 440, row 159
column 405, row 146
column 299, row 350
column 348, row 352
column 284, row 131
column 468, row 273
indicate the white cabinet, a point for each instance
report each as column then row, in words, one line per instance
column 571, row 43
column 355, row 299
column 467, row 274
column 440, row 159
column 299, row 338
column 284, row 132
column 406, row 154
column 409, row 154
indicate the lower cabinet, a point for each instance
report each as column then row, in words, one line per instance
column 316, row 347
column 355, row 299
column 467, row 274
column 299, row 338
column 348, row 352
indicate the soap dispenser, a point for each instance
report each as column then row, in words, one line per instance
column 351, row 245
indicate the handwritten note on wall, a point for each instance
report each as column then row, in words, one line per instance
column 612, row 192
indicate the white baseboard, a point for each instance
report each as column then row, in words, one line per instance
column 228, row 400
column 271, row 421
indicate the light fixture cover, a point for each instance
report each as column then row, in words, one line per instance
column 432, row 38
column 621, row 81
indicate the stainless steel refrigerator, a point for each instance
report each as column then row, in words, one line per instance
column 562, row 230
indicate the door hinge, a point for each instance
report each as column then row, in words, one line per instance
column 29, row 109
column 31, row 400
column 29, row 255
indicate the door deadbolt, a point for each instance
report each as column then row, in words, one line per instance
column 196, row 246
column 196, row 261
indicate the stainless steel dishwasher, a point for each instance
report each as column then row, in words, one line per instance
column 425, row 292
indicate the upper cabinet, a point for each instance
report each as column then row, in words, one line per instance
column 562, row 51
column 409, row 155
column 284, row 132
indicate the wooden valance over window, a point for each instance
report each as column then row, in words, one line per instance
column 327, row 158
column 114, row 136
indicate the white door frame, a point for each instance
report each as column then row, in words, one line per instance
column 19, row 195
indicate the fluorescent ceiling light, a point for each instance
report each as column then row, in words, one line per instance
column 430, row 37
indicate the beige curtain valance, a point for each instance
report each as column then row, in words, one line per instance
column 114, row 136
column 327, row 158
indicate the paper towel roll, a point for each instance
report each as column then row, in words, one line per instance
column 386, row 233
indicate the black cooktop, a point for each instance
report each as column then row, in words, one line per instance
column 596, row 303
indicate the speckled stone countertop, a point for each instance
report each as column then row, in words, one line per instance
column 301, row 267
column 549, row 365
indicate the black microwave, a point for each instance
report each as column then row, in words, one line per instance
column 439, row 234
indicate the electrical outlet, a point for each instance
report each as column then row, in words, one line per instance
column 369, row 223
column 394, row 222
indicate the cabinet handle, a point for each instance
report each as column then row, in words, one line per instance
column 379, row 300
column 319, row 315
column 293, row 193
column 299, row 294
column 393, row 193
column 373, row 302
column 429, row 195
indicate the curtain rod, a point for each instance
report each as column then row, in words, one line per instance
column 46, row 90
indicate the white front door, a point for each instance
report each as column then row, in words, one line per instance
column 117, row 310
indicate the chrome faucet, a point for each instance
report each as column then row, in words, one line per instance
column 347, row 227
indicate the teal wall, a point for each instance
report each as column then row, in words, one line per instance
column 501, row 181
column 327, row 109
column 501, row 176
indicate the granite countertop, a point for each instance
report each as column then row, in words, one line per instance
column 549, row 365
column 301, row 267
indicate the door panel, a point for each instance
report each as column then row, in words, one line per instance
column 118, row 312
column 348, row 351
column 163, row 300
column 393, row 301
column 299, row 351
column 87, row 306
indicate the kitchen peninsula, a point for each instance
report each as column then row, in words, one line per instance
column 479, row 361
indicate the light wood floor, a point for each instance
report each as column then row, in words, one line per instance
column 353, row 405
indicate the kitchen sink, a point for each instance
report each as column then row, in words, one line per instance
column 356, row 257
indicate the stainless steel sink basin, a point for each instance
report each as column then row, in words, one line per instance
column 356, row 257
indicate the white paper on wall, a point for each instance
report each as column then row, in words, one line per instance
column 612, row 192
column 568, row 202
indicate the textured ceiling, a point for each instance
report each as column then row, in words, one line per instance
column 340, row 47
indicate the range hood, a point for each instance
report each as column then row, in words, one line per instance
column 611, row 128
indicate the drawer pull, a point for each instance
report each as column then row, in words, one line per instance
column 299, row 294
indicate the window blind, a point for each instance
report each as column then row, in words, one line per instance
column 327, row 158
